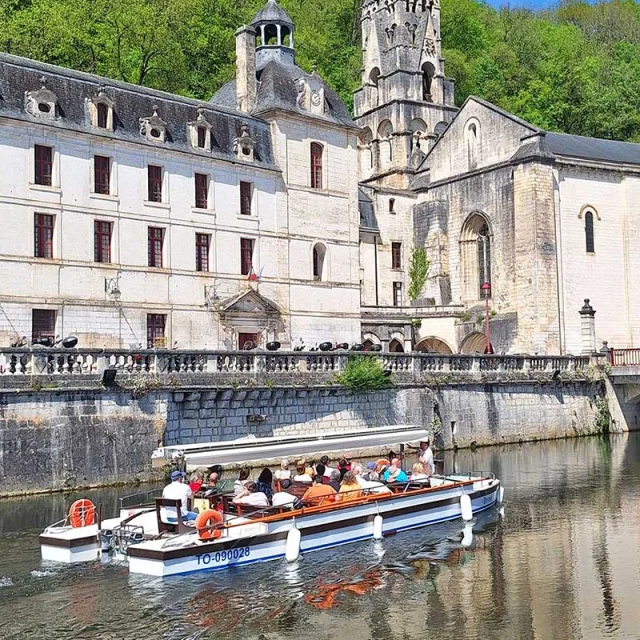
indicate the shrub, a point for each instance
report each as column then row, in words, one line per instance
column 362, row 374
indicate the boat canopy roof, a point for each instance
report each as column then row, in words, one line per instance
column 250, row 448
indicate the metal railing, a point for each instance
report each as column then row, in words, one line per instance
column 624, row 357
column 183, row 363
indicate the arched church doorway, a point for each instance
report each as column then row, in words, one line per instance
column 395, row 346
column 433, row 345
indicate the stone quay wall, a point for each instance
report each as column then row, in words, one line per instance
column 56, row 438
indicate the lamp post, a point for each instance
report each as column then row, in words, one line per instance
column 486, row 294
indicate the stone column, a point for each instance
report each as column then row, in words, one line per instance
column 588, row 328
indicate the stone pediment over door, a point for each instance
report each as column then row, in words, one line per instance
column 249, row 302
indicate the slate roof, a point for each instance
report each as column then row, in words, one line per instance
column 132, row 102
column 272, row 12
column 563, row 144
column 277, row 90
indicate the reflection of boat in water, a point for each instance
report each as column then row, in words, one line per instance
column 228, row 535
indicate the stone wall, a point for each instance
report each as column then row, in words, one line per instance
column 54, row 439
column 226, row 414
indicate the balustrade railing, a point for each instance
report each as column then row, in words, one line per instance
column 74, row 362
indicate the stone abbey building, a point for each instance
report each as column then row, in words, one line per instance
column 137, row 218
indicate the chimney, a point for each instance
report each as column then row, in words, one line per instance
column 246, row 69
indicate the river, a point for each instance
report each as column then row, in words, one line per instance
column 562, row 561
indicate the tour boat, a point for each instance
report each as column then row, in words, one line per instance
column 227, row 536
column 156, row 542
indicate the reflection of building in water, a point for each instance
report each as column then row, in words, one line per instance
column 552, row 568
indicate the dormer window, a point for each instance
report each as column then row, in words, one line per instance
column 101, row 110
column 43, row 103
column 153, row 128
column 244, row 145
column 200, row 131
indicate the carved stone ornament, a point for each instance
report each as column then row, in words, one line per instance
column 153, row 128
column 311, row 94
column 244, row 145
column 430, row 46
column 42, row 103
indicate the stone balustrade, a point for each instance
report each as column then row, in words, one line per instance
column 16, row 362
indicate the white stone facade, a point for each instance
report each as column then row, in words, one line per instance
column 328, row 210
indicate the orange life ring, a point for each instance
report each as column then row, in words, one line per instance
column 82, row 513
column 207, row 524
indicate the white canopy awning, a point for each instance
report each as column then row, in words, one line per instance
column 252, row 449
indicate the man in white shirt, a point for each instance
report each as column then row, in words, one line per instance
column 178, row 490
column 425, row 455
column 252, row 497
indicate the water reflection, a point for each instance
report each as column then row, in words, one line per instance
column 561, row 563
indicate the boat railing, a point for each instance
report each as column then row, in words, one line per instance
column 139, row 499
column 367, row 498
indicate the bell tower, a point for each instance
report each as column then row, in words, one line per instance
column 405, row 100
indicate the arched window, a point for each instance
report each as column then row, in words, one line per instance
column 385, row 146
column 588, row 231
column 316, row 165
column 418, row 130
column 484, row 257
column 475, row 256
column 374, row 77
column 319, row 253
column 366, row 151
column 471, row 133
column 428, row 71
column 395, row 346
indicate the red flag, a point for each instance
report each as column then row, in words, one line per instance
column 252, row 274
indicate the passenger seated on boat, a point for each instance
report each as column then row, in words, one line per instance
column 349, row 489
column 343, row 467
column 283, row 499
column 417, row 473
column 252, row 497
column 318, row 493
column 334, row 480
column 395, row 473
column 320, row 469
column 240, row 483
column 324, row 460
column 283, row 473
column 265, row 483
column 371, row 474
column 178, row 490
column 301, row 472
column 195, row 481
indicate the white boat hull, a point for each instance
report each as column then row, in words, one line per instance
column 69, row 545
column 186, row 554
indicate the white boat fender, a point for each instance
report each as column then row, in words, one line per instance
column 292, row 547
column 501, row 495
column 467, row 535
column 466, row 510
column 377, row 527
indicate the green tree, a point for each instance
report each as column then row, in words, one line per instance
column 418, row 272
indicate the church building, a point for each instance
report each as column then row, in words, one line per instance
column 135, row 218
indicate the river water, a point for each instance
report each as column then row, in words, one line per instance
column 562, row 561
